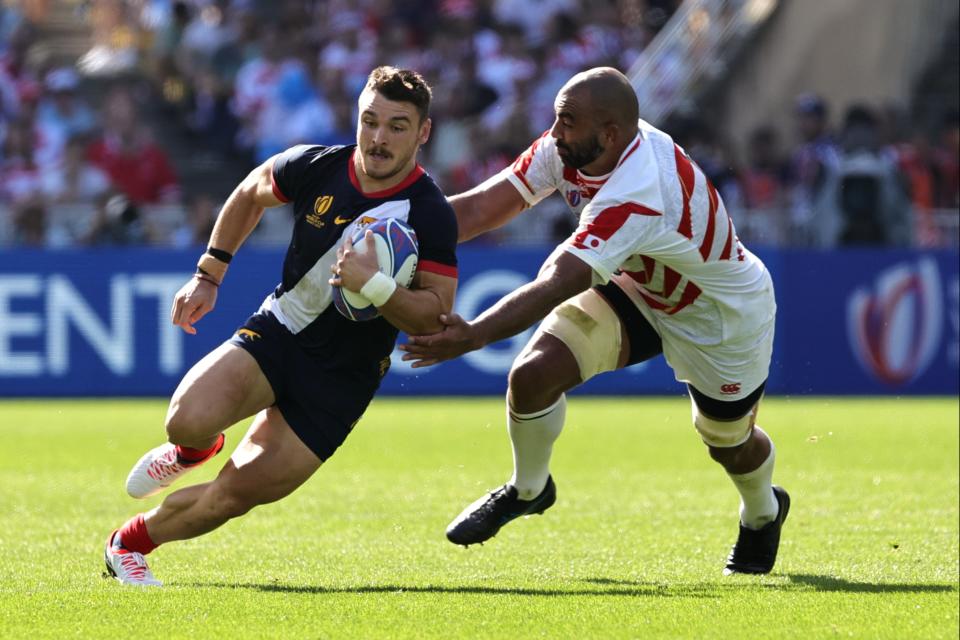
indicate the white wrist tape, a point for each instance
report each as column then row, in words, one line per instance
column 378, row 289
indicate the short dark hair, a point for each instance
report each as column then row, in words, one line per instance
column 402, row 85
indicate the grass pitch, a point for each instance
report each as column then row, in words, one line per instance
column 633, row 547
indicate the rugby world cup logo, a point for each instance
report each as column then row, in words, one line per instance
column 895, row 326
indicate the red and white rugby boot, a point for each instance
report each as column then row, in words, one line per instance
column 162, row 466
column 128, row 567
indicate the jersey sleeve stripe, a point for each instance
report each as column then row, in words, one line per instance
column 707, row 243
column 725, row 254
column 276, row 188
column 685, row 171
column 523, row 181
column 438, row 268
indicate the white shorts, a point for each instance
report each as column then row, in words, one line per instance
column 727, row 371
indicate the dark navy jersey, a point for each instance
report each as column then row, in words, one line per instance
column 328, row 204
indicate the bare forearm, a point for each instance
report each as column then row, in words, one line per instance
column 487, row 206
column 516, row 312
column 238, row 217
column 414, row 311
column 562, row 276
column 469, row 222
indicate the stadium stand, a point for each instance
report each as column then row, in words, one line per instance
column 204, row 89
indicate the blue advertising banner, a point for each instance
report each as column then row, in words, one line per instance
column 96, row 323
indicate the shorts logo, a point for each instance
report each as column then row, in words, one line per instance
column 730, row 389
column 384, row 366
column 895, row 325
column 248, row 335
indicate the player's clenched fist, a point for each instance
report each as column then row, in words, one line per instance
column 194, row 300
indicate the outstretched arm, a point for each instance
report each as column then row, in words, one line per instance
column 238, row 217
column 487, row 206
column 561, row 277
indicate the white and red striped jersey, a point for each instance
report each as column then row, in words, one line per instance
column 657, row 219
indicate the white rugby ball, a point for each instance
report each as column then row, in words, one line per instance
column 396, row 246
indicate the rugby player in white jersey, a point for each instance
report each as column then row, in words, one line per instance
column 654, row 267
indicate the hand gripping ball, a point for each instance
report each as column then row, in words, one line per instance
column 396, row 244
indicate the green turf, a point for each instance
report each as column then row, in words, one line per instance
column 633, row 547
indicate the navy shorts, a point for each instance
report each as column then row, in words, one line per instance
column 320, row 405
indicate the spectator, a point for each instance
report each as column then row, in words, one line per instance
column 61, row 115
column 862, row 201
column 75, row 179
column 811, row 164
column 210, row 115
column 914, row 160
column 533, row 16
column 296, row 115
column 170, row 60
column 17, row 82
column 947, row 162
column 201, row 215
column 762, row 190
column 19, row 174
column 127, row 153
column 118, row 222
column 508, row 64
column 30, row 224
column 256, row 83
column 116, row 40
column 763, row 180
column 210, row 32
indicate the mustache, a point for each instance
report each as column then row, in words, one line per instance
column 379, row 150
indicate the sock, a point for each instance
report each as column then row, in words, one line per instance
column 532, row 435
column 758, row 505
column 133, row 536
column 193, row 456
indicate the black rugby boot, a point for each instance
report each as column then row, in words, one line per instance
column 756, row 550
column 482, row 520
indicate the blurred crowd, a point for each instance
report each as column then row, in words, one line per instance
column 874, row 178
column 249, row 78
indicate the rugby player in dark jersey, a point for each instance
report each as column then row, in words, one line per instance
column 303, row 370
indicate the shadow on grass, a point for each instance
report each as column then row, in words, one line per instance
column 830, row 583
column 636, row 589
column 796, row 582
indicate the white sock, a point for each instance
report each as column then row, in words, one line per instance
column 532, row 435
column 758, row 505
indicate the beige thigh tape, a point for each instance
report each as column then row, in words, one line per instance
column 591, row 330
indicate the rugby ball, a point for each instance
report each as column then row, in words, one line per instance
column 396, row 244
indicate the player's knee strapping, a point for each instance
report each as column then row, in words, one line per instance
column 590, row 329
column 723, row 433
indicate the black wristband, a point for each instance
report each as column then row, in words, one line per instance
column 201, row 271
column 223, row 256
